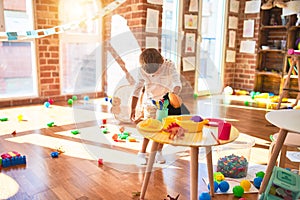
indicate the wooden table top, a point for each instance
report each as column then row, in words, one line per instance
column 199, row 139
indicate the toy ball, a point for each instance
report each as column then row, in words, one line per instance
column 246, row 185
column 86, row 98
column 260, row 174
column 238, row 191
column 242, row 199
column 228, row 90
column 216, row 185
column 70, row 101
column 74, row 98
column 204, row 196
column 246, row 103
column 47, row 104
column 257, row 182
column 218, row 176
column 224, row 186
column 51, row 101
column 106, row 98
column 252, row 93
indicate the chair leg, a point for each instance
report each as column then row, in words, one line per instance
column 282, row 156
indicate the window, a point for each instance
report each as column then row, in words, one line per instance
column 17, row 58
column 170, row 30
column 80, row 52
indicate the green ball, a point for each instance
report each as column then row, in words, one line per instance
column 238, row 191
column 70, row 101
column 260, row 174
column 246, row 103
column 74, row 98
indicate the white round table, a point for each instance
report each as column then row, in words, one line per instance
column 286, row 121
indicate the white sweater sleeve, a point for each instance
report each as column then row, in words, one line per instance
column 174, row 75
column 138, row 85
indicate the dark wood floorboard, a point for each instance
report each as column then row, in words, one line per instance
column 75, row 178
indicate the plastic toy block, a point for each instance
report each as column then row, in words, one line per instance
column 13, row 153
column 104, row 130
column 75, row 132
column 0, row 161
column 6, row 155
column 100, row 161
column 16, row 160
column 51, row 124
column 54, row 154
column 4, row 119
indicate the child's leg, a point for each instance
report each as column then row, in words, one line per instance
column 142, row 153
column 144, row 145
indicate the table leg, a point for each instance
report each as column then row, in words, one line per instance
column 210, row 169
column 279, row 143
column 194, row 173
column 149, row 169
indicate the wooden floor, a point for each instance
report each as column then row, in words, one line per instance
column 71, row 177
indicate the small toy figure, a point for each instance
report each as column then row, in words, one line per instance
column 171, row 198
column 175, row 131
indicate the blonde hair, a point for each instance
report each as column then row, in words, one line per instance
column 150, row 60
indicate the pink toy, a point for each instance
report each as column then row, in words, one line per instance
column 100, row 161
column 293, row 52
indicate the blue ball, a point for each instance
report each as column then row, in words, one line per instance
column 86, row 98
column 224, row 186
column 47, row 104
column 216, row 185
column 204, row 196
column 106, row 98
column 257, row 182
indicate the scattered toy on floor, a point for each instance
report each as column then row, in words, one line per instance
column 74, row 98
column 47, row 104
column 100, row 161
column 238, row 191
column 51, row 101
column 4, row 119
column 54, row 154
column 204, row 196
column 75, row 132
column 224, row 186
column 50, row 124
column 257, row 182
column 172, row 198
column 260, row 174
column 216, row 186
column 86, row 98
column 246, row 185
column 70, row 102
column 12, row 158
column 14, row 133
column 136, row 194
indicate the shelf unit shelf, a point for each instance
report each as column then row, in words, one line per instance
column 274, row 40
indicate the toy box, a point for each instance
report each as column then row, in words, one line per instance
column 283, row 184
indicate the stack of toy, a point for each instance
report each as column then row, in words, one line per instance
column 233, row 166
column 12, row 158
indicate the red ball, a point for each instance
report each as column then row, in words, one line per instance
column 51, row 101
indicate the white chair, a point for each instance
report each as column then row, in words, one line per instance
column 291, row 140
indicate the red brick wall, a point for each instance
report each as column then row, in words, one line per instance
column 241, row 74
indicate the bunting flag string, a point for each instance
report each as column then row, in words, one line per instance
column 31, row 34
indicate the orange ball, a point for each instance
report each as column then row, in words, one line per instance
column 175, row 100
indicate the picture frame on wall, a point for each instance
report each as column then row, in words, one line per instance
column 190, row 40
column 190, row 21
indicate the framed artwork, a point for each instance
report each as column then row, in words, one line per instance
column 190, row 21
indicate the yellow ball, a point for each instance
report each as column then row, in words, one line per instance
column 245, row 184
